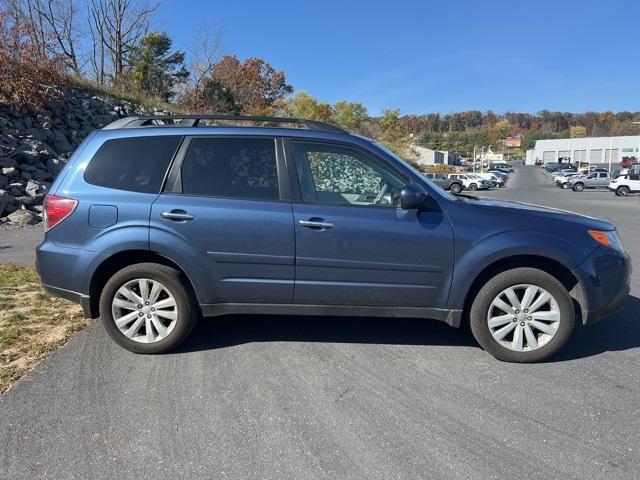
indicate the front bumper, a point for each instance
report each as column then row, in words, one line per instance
column 605, row 278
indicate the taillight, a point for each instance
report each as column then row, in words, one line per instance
column 56, row 209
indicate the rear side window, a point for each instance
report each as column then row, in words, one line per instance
column 135, row 164
column 231, row 167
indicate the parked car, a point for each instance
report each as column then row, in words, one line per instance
column 151, row 227
column 628, row 162
column 562, row 181
column 625, row 184
column 495, row 181
column 593, row 180
column 469, row 181
column 551, row 166
column 502, row 167
column 443, row 181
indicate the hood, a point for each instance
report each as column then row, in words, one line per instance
column 545, row 212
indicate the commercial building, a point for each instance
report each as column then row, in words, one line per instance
column 427, row 156
column 590, row 149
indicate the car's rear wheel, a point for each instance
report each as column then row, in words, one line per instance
column 578, row 187
column 622, row 191
column 148, row 308
column 456, row 187
column 522, row 315
column 473, row 187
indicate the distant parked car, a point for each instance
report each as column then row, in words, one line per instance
column 563, row 180
column 468, row 182
column 625, row 184
column 593, row 180
column 441, row 179
column 551, row 166
column 495, row 180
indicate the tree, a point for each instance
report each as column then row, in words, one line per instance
column 254, row 84
column 204, row 53
column 498, row 131
column 350, row 116
column 578, row 132
column 52, row 27
column 303, row 105
column 529, row 139
column 155, row 69
column 394, row 135
column 625, row 128
column 117, row 27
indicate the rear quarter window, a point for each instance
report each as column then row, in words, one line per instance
column 136, row 164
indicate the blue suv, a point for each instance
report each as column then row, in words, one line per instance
column 157, row 221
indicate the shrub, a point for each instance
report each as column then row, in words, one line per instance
column 28, row 76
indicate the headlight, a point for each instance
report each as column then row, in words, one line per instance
column 607, row 238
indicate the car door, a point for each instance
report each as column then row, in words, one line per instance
column 354, row 245
column 603, row 180
column 224, row 213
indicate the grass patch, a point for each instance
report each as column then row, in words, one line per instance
column 32, row 323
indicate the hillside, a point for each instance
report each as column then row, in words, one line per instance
column 35, row 143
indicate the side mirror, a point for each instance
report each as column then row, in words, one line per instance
column 412, row 197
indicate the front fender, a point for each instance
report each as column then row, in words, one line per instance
column 472, row 260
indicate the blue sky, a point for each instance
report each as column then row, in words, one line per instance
column 436, row 56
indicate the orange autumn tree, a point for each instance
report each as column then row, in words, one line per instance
column 250, row 87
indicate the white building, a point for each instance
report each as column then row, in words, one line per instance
column 427, row 156
column 590, row 149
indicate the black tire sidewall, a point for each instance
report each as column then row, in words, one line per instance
column 578, row 187
column 509, row 278
column 473, row 187
column 455, row 188
column 171, row 279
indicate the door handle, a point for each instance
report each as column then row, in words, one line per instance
column 178, row 215
column 315, row 223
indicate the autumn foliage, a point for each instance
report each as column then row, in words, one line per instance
column 27, row 77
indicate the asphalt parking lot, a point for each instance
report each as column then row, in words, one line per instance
column 311, row 398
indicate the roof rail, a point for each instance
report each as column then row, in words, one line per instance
column 194, row 121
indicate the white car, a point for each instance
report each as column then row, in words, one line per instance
column 470, row 181
column 625, row 184
column 491, row 177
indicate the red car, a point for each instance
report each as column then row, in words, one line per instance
column 628, row 161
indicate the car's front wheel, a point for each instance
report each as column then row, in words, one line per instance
column 622, row 191
column 148, row 308
column 473, row 187
column 522, row 315
column 456, row 187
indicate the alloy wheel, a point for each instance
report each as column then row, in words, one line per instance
column 523, row 318
column 144, row 310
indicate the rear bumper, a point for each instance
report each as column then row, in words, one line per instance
column 66, row 272
column 83, row 300
column 605, row 278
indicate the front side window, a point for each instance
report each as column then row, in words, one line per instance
column 344, row 176
column 231, row 167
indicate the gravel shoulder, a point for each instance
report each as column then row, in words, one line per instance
column 18, row 244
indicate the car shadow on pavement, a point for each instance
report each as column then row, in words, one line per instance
column 230, row 330
column 620, row 331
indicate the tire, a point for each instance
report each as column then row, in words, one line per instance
column 175, row 290
column 622, row 191
column 564, row 186
column 483, row 310
column 473, row 187
column 578, row 187
column 456, row 188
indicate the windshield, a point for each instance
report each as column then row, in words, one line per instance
column 439, row 189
